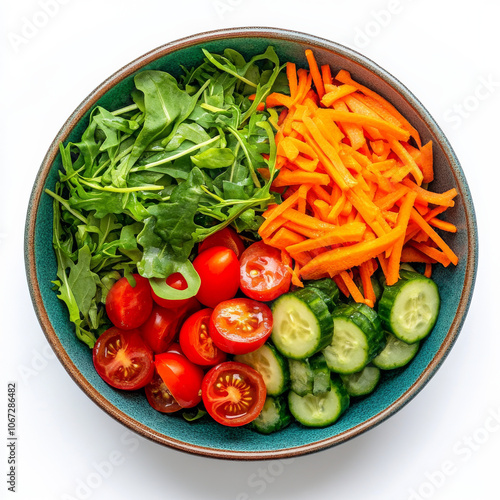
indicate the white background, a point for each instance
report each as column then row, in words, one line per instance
column 445, row 444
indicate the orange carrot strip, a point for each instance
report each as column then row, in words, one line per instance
column 306, row 220
column 305, row 163
column 328, row 129
column 348, row 233
column 407, row 159
column 365, row 273
column 428, row 270
column 344, row 77
column 321, row 193
column 341, row 91
column 422, row 223
column 278, row 210
column 353, row 131
column 427, row 162
column 272, row 227
column 351, row 286
column 340, row 259
column 331, row 155
column 284, row 238
column 288, row 148
column 445, row 199
column 336, row 210
column 327, row 126
column 304, row 80
column 442, row 224
column 326, row 74
column 277, row 99
column 322, row 209
column 316, row 75
column 433, row 253
column 303, row 147
column 303, row 230
column 291, row 73
column 287, row 178
column 370, row 121
column 411, row 254
column 342, row 286
column 402, row 222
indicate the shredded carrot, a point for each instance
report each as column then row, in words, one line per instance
column 351, row 286
column 316, row 75
column 353, row 177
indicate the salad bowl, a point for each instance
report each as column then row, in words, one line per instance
column 205, row 437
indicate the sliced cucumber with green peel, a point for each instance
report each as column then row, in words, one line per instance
column 322, row 409
column 371, row 314
column 355, row 341
column 271, row 365
column 302, row 323
column 321, row 374
column 328, row 287
column 301, row 376
column 363, row 382
column 409, row 309
column 273, row 417
column 395, row 354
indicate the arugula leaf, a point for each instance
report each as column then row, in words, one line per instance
column 145, row 183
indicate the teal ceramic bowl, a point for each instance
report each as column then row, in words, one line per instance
column 205, row 437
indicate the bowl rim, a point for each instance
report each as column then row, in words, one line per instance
column 255, row 32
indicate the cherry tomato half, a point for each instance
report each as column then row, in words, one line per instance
column 122, row 359
column 233, row 393
column 160, row 328
column 219, row 270
column 128, row 307
column 159, row 397
column 177, row 281
column 239, row 326
column 196, row 342
column 262, row 274
column 226, row 237
column 182, row 377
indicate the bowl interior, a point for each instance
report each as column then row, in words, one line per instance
column 205, row 437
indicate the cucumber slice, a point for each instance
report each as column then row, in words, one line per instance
column 302, row 323
column 271, row 365
column 301, row 376
column 395, row 354
column 309, row 376
column 409, row 308
column 320, row 410
column 328, row 287
column 273, row 417
column 321, row 374
column 363, row 382
column 371, row 314
column 355, row 341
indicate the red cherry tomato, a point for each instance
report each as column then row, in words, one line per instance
column 262, row 274
column 219, row 270
column 196, row 342
column 182, row 378
column 177, row 281
column 239, row 326
column 175, row 347
column 122, row 359
column 226, row 237
column 163, row 325
column 128, row 307
column 233, row 393
column 160, row 328
column 159, row 397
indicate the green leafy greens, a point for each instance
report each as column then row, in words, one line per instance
column 147, row 182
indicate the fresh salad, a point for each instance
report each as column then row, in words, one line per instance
column 250, row 242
